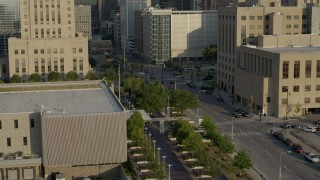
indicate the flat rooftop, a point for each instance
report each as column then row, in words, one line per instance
column 97, row 99
column 291, row 50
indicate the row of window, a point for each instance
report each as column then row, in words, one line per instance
column 16, row 124
column 48, row 51
column 296, row 69
column 307, row 88
column 24, row 141
column 288, row 17
column 307, row 100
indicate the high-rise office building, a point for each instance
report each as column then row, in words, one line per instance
column 127, row 8
column 83, row 20
column 48, row 40
column 95, row 21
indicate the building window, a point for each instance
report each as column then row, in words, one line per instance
column 16, row 124
column 288, row 26
column 259, row 17
column 267, row 26
column 267, row 17
column 318, row 69
column 307, row 88
column 16, row 51
column 296, row 26
column 296, row 17
column 285, row 69
column 306, row 100
column 61, row 50
column 75, row 64
column 55, row 51
column 23, row 51
column 284, row 88
column 35, row 51
column 0, row 125
column 304, row 17
column 251, row 18
column 80, row 50
column 318, row 87
column 295, row 88
column 317, row 99
column 243, row 18
column 308, row 68
column 284, row 101
column 42, row 51
column 32, row 123
column 25, row 141
column 74, row 50
column 8, row 142
column 296, row 69
column 288, row 17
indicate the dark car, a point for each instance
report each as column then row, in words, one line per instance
column 220, row 99
column 246, row 114
column 207, row 79
column 191, row 85
column 297, row 148
column 288, row 142
column 208, row 91
column 204, row 87
column 288, row 126
column 237, row 115
column 278, row 135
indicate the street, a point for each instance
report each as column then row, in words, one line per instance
column 252, row 135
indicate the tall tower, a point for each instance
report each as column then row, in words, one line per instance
column 48, row 40
column 127, row 8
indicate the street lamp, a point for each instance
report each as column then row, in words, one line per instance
column 261, row 105
column 164, row 159
column 154, row 149
column 198, row 101
column 159, row 153
column 169, row 165
column 280, row 162
column 232, row 126
column 175, row 82
column 129, row 105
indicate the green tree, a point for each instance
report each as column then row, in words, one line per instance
column 251, row 103
column 92, row 62
column 193, row 142
column 181, row 130
column 1, row 82
column 135, row 128
column 133, row 83
column 35, row 77
column 110, row 74
column 152, row 97
column 54, row 76
column 210, row 52
column 226, row 146
column 72, row 76
column 207, row 123
column 92, row 76
column 242, row 160
column 214, row 136
column 15, row 79
column 183, row 99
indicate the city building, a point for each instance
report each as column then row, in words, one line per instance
column 83, row 20
column 95, row 21
column 116, row 30
column 4, row 67
column 241, row 25
column 9, row 23
column 52, row 128
column 48, row 41
column 165, row 34
column 281, row 74
column 127, row 8
column 214, row 4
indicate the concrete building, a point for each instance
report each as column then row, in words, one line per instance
column 167, row 34
column 78, row 133
column 95, row 21
column 282, row 78
column 239, row 25
column 116, row 30
column 48, row 41
column 4, row 68
column 127, row 8
column 83, row 20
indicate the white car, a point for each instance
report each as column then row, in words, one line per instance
column 311, row 157
column 309, row 129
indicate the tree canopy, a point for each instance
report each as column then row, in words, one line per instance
column 152, row 97
column 207, row 123
column 210, row 52
column 242, row 160
column 110, row 74
column 72, row 76
column 182, row 129
column 225, row 145
column 183, row 99
column 35, row 77
column 54, row 76
column 91, row 76
column 15, row 79
column 135, row 127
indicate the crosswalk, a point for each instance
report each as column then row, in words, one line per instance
column 250, row 133
column 234, row 121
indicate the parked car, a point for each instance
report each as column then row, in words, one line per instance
column 297, row 148
column 278, row 135
column 309, row 129
column 288, row 126
column 311, row 157
column 246, row 114
column 237, row 115
column 288, row 142
column 220, row 99
column 191, row 85
column 208, row 91
column 317, row 123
